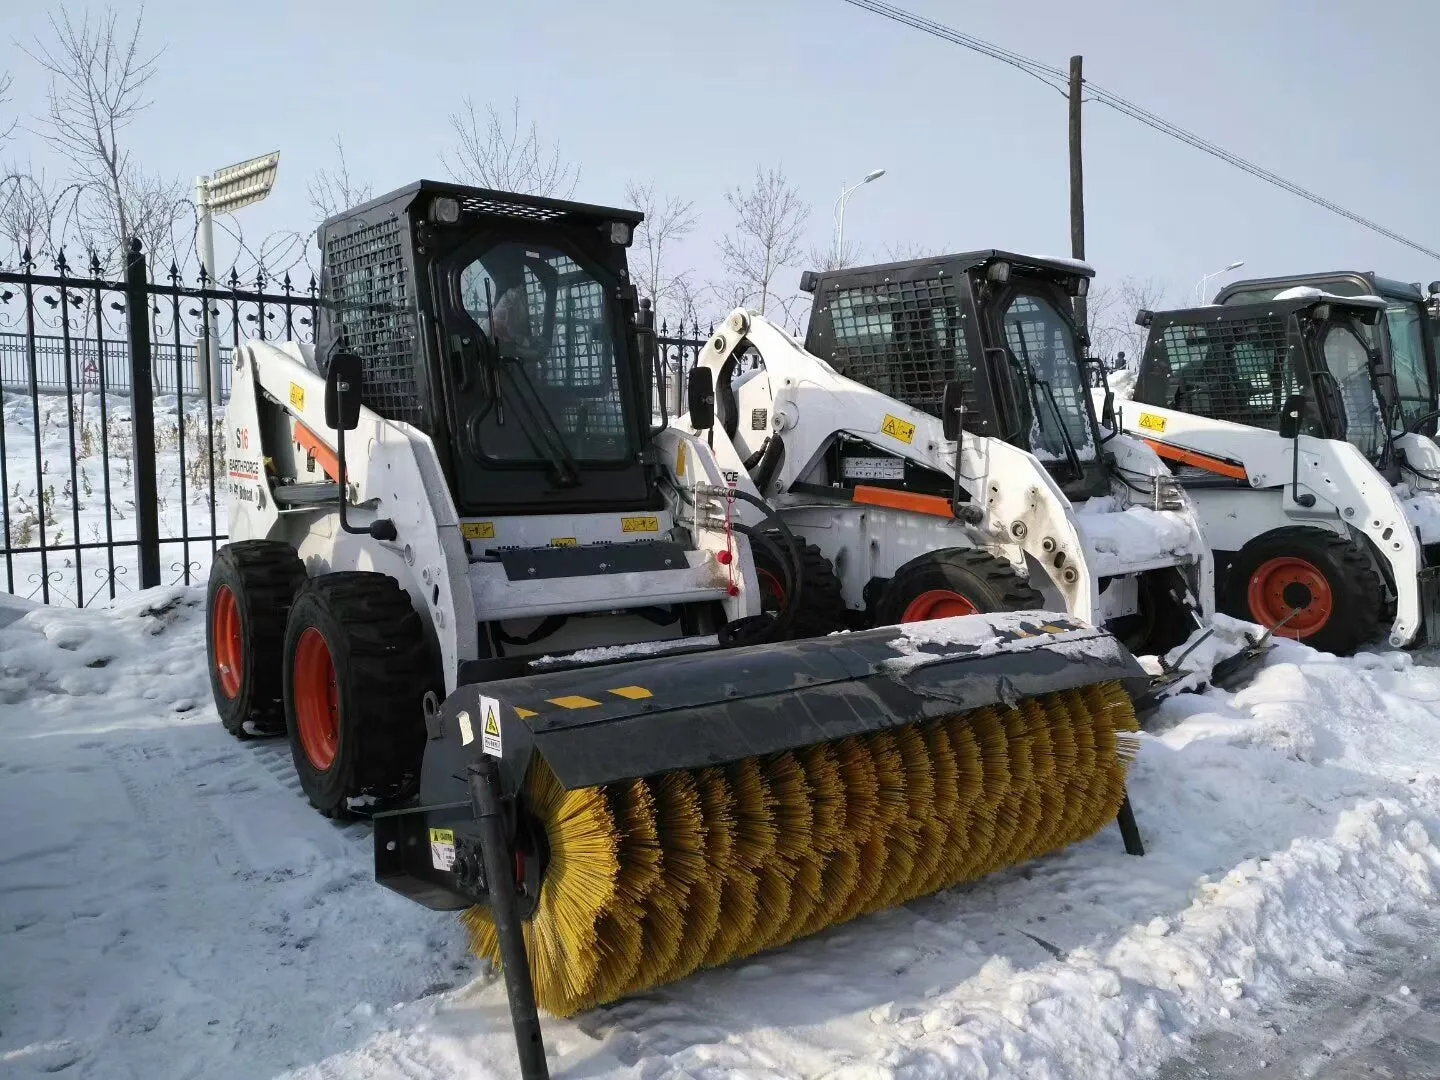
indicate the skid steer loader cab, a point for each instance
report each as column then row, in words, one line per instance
column 998, row 324
column 1282, row 418
column 1405, row 335
column 504, row 327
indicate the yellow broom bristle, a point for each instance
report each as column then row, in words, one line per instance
column 702, row 910
column 902, row 834
column 952, row 842
column 650, row 879
column 931, row 830
column 621, row 930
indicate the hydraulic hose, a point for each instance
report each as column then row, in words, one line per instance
column 757, row 629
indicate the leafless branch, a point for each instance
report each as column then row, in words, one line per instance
column 667, row 221
column 827, row 258
column 488, row 154
column 1111, row 311
column 905, row 250
column 98, row 77
column 765, row 239
column 6, row 130
column 332, row 192
column 28, row 207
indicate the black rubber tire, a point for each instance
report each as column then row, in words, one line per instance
column 263, row 576
column 822, row 604
column 383, row 669
column 1358, row 595
column 989, row 582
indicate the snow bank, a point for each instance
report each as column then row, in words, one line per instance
column 1422, row 511
column 172, row 907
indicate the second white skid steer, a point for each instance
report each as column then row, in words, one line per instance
column 946, row 459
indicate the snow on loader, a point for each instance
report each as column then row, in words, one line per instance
column 1283, row 420
column 975, row 354
column 455, row 582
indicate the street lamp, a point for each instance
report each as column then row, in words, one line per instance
column 225, row 192
column 845, row 193
column 1200, row 290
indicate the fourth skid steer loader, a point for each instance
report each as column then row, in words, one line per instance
column 1282, row 417
column 471, row 581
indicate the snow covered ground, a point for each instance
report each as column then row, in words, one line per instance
column 170, row 907
column 67, row 505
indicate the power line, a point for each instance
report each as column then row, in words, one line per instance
column 1056, row 78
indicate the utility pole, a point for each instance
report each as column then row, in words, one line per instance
column 1077, row 185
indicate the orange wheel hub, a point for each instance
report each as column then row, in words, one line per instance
column 771, row 591
column 229, row 643
column 1280, row 584
column 938, row 604
column 317, row 699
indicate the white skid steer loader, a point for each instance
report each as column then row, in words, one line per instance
column 455, row 582
column 1282, row 419
column 868, row 478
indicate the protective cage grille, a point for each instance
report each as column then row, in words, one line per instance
column 374, row 315
column 905, row 339
column 1237, row 370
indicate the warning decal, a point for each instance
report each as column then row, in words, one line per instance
column 467, row 733
column 297, row 396
column 898, row 429
column 1151, row 422
column 639, row 524
column 442, row 848
column 477, row 530
column 680, row 461
column 490, row 726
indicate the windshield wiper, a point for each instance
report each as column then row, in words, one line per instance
column 539, row 421
column 1072, row 458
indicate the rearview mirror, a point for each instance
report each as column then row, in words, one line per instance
column 343, row 383
column 700, row 398
column 1291, row 416
column 952, row 410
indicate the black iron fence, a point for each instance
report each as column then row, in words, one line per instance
column 110, row 450
column 112, row 439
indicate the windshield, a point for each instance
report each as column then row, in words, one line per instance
column 552, row 357
column 1043, row 342
column 1349, row 362
column 1406, row 321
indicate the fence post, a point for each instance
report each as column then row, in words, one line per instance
column 142, row 416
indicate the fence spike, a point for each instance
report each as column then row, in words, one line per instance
column 286, row 284
column 95, row 268
column 234, row 280
column 174, row 272
column 61, row 266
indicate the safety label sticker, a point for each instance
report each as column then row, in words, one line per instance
column 490, row 726
column 297, row 396
column 1151, row 422
column 467, row 733
column 477, row 530
column 442, row 848
column 898, row 429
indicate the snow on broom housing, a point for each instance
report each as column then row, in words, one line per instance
column 458, row 480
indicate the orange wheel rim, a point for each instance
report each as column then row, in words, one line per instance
column 1280, row 584
column 317, row 699
column 938, row 604
column 772, row 593
column 229, row 644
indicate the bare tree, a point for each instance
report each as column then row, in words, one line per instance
column 667, row 221
column 828, row 258
column 332, row 192
column 28, row 207
column 98, row 75
column 905, row 250
column 769, row 222
column 492, row 155
column 1111, row 311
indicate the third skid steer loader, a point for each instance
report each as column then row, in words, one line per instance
column 462, row 476
column 859, row 454
column 1282, row 417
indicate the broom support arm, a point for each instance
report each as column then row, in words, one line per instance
column 499, row 876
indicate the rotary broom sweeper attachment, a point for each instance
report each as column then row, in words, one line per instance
column 611, row 828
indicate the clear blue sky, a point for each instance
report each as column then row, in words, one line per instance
column 1338, row 97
